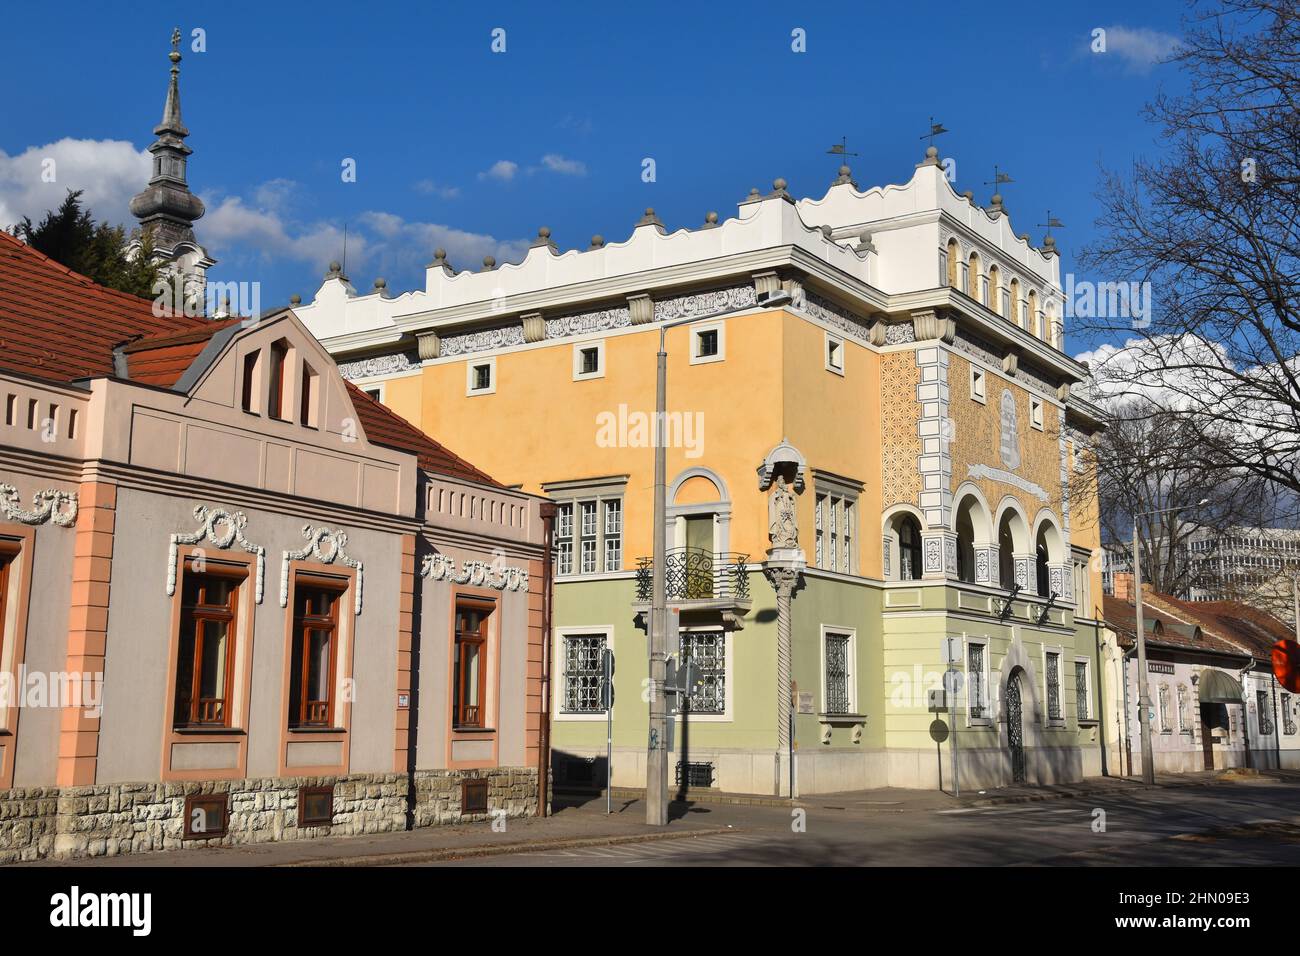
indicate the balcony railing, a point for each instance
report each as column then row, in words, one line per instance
column 692, row 574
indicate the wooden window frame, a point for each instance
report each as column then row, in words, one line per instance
column 320, row 821
column 204, row 802
column 230, row 616
column 475, row 785
column 316, row 622
column 483, row 639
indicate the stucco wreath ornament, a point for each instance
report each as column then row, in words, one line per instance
column 57, row 507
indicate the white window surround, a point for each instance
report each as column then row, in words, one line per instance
column 833, row 352
column 375, row 387
column 578, row 349
column 695, row 330
column 597, row 491
column 1036, row 413
column 557, row 706
column 729, row 648
column 978, row 384
column 1092, row 694
column 851, row 660
column 987, row 720
column 471, row 365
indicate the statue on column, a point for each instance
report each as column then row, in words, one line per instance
column 783, row 527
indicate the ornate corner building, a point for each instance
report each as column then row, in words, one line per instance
column 872, row 448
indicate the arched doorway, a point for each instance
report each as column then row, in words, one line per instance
column 1015, row 727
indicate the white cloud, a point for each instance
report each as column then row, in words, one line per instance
column 108, row 171
column 1139, row 48
column 502, row 170
column 430, row 188
column 568, row 167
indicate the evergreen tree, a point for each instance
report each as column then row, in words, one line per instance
column 70, row 235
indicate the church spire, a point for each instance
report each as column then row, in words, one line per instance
column 166, row 207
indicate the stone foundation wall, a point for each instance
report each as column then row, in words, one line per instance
column 438, row 794
column 112, row 819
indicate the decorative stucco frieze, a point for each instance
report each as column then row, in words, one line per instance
column 704, row 304
column 1009, row 478
column 482, row 340
column 222, row 529
column 442, row 567
column 835, row 315
column 376, row 366
column 899, row 333
column 976, row 347
column 1037, row 379
column 326, row 546
column 56, row 507
column 582, row 323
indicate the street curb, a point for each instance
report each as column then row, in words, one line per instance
column 499, row 849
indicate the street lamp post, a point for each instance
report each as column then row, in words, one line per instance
column 1144, row 698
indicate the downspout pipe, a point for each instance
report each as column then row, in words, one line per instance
column 544, row 716
column 1245, row 711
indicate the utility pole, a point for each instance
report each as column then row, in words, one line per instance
column 656, row 784
column 1144, row 702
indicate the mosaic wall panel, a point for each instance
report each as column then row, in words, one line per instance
column 900, row 443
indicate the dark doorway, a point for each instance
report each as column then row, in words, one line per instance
column 1214, row 718
column 1015, row 729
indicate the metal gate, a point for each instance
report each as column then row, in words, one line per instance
column 1015, row 729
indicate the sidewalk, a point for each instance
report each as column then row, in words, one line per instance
column 579, row 820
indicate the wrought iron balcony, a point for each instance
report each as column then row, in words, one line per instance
column 692, row 574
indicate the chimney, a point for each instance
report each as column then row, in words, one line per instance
column 1123, row 585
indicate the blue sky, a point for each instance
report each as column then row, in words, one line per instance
column 458, row 146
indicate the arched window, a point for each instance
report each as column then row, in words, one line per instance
column 965, row 546
column 1031, row 313
column 909, row 549
column 973, row 276
column 1015, row 301
column 1041, row 560
column 995, row 289
column 1006, row 552
column 954, row 253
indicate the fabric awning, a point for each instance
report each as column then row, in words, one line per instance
column 1216, row 687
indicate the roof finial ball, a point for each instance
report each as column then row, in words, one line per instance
column 597, row 241
column 779, row 184
column 1049, row 243
column 711, row 218
column 440, row 254
column 295, row 299
column 932, row 154
column 489, row 263
column 544, row 232
column 335, row 268
column 381, row 284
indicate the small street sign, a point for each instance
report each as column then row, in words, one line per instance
column 950, row 650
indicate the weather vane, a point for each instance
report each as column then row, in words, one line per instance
column 1052, row 223
column 936, row 129
column 176, row 39
column 841, row 148
column 999, row 178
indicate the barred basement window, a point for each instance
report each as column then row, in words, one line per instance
column 1265, row 718
column 1288, row 718
column 838, row 698
column 1081, row 695
column 582, row 673
column 707, row 650
column 1164, row 708
column 977, row 693
column 1053, row 686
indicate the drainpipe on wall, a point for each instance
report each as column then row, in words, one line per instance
column 544, row 717
column 1277, row 726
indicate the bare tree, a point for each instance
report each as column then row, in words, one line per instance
column 1150, row 460
column 1214, row 225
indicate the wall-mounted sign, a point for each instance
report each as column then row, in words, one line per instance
column 1159, row 667
column 805, row 702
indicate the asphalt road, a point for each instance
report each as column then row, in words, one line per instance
column 1238, row 824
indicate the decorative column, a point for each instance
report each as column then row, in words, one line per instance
column 939, row 554
column 986, row 564
column 1060, row 578
column 1026, row 575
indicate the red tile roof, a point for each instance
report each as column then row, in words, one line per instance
column 163, row 359
column 59, row 325
column 385, row 427
column 1226, row 627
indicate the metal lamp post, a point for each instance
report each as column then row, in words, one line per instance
column 656, row 791
column 1144, row 699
